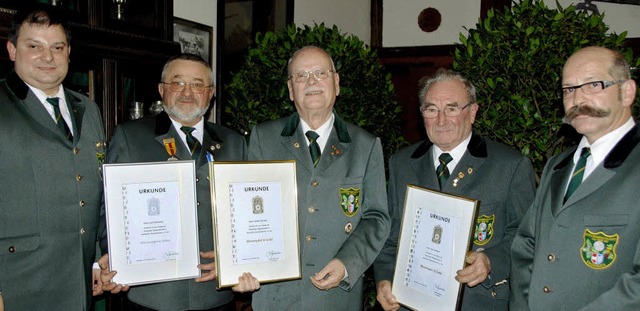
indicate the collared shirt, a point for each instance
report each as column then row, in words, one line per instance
column 198, row 133
column 64, row 110
column 600, row 148
column 323, row 131
column 456, row 153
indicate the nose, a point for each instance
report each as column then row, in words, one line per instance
column 47, row 55
column 187, row 90
column 441, row 118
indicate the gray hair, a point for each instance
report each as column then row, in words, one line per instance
column 189, row 57
column 293, row 56
column 447, row 75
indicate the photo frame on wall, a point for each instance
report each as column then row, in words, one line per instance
column 193, row 37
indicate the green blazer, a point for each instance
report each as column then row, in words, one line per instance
column 350, row 170
column 50, row 199
column 501, row 178
column 141, row 141
column 583, row 254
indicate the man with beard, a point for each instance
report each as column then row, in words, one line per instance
column 578, row 245
column 186, row 88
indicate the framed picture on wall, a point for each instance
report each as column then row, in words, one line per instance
column 193, row 37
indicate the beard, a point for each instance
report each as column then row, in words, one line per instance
column 585, row 110
column 190, row 114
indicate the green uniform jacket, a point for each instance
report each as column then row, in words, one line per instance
column 499, row 176
column 583, row 254
column 351, row 162
column 50, row 199
column 141, row 141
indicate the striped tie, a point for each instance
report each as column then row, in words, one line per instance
column 442, row 170
column 62, row 125
column 194, row 144
column 314, row 148
column 578, row 173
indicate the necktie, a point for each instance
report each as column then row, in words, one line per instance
column 55, row 102
column 442, row 171
column 194, row 144
column 578, row 173
column 314, row 148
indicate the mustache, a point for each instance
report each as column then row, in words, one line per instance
column 585, row 110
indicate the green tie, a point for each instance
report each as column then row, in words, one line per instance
column 55, row 102
column 314, row 148
column 578, row 173
column 194, row 144
column 442, row 170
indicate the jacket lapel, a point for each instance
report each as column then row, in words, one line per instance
column 422, row 165
column 165, row 130
column 76, row 109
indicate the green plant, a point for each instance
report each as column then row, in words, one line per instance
column 514, row 57
column 258, row 90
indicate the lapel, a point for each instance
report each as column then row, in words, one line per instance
column 600, row 175
column 460, row 175
column 295, row 142
column 76, row 109
column 29, row 104
column 165, row 130
column 211, row 144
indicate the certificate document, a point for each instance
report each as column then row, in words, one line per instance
column 255, row 220
column 435, row 236
column 152, row 221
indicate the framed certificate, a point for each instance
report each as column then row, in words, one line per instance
column 435, row 236
column 152, row 221
column 255, row 220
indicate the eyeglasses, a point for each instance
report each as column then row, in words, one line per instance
column 588, row 88
column 303, row 76
column 431, row 112
column 178, row 86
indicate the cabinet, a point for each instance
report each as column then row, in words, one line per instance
column 113, row 61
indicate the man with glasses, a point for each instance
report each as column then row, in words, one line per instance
column 342, row 202
column 181, row 132
column 457, row 161
column 578, row 247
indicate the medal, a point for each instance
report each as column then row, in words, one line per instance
column 170, row 147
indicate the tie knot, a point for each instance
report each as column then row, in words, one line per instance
column 54, row 101
column 445, row 158
column 586, row 152
column 312, row 136
column 187, row 130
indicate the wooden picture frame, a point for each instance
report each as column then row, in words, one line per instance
column 193, row 37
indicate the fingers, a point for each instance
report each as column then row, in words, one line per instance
column 97, row 282
column 330, row 276
column 386, row 299
column 477, row 271
column 246, row 283
column 209, row 272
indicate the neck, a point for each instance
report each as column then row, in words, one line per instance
column 315, row 120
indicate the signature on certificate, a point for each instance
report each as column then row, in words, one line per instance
column 273, row 255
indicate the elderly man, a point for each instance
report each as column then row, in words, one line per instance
column 455, row 160
column 51, row 191
column 343, row 217
column 186, row 88
column 578, row 246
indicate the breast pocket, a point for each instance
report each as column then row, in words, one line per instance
column 14, row 245
column 606, row 221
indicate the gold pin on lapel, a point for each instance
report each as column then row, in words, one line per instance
column 296, row 145
column 470, row 170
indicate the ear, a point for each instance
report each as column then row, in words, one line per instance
column 628, row 92
column 473, row 109
column 336, row 82
column 290, row 87
column 12, row 51
column 212, row 92
column 161, row 89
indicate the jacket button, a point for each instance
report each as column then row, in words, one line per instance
column 494, row 294
column 82, row 231
column 546, row 289
column 551, row 257
column 81, row 203
column 197, row 179
column 12, row 249
column 78, row 177
column 311, row 210
column 309, row 238
column 76, row 150
column 315, row 183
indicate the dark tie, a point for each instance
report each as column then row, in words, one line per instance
column 55, row 102
column 314, row 148
column 442, row 171
column 578, row 173
column 194, row 144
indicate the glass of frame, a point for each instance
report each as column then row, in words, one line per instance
column 152, row 221
column 434, row 239
column 255, row 209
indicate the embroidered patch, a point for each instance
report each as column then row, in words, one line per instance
column 484, row 229
column 599, row 250
column 350, row 201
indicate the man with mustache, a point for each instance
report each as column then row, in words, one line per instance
column 186, row 87
column 578, row 246
column 497, row 175
column 342, row 202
